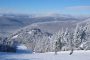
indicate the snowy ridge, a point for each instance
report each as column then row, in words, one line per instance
column 12, row 22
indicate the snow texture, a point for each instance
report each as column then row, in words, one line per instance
column 77, row 55
column 22, row 47
column 14, row 36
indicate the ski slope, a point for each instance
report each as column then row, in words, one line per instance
column 77, row 55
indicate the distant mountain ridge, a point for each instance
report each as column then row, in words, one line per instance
column 10, row 23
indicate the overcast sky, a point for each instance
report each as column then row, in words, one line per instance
column 45, row 6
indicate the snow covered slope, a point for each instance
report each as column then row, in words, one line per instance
column 35, row 39
column 12, row 22
column 54, row 26
column 77, row 55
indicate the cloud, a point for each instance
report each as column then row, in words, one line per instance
column 8, row 10
column 5, row 10
column 81, row 8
